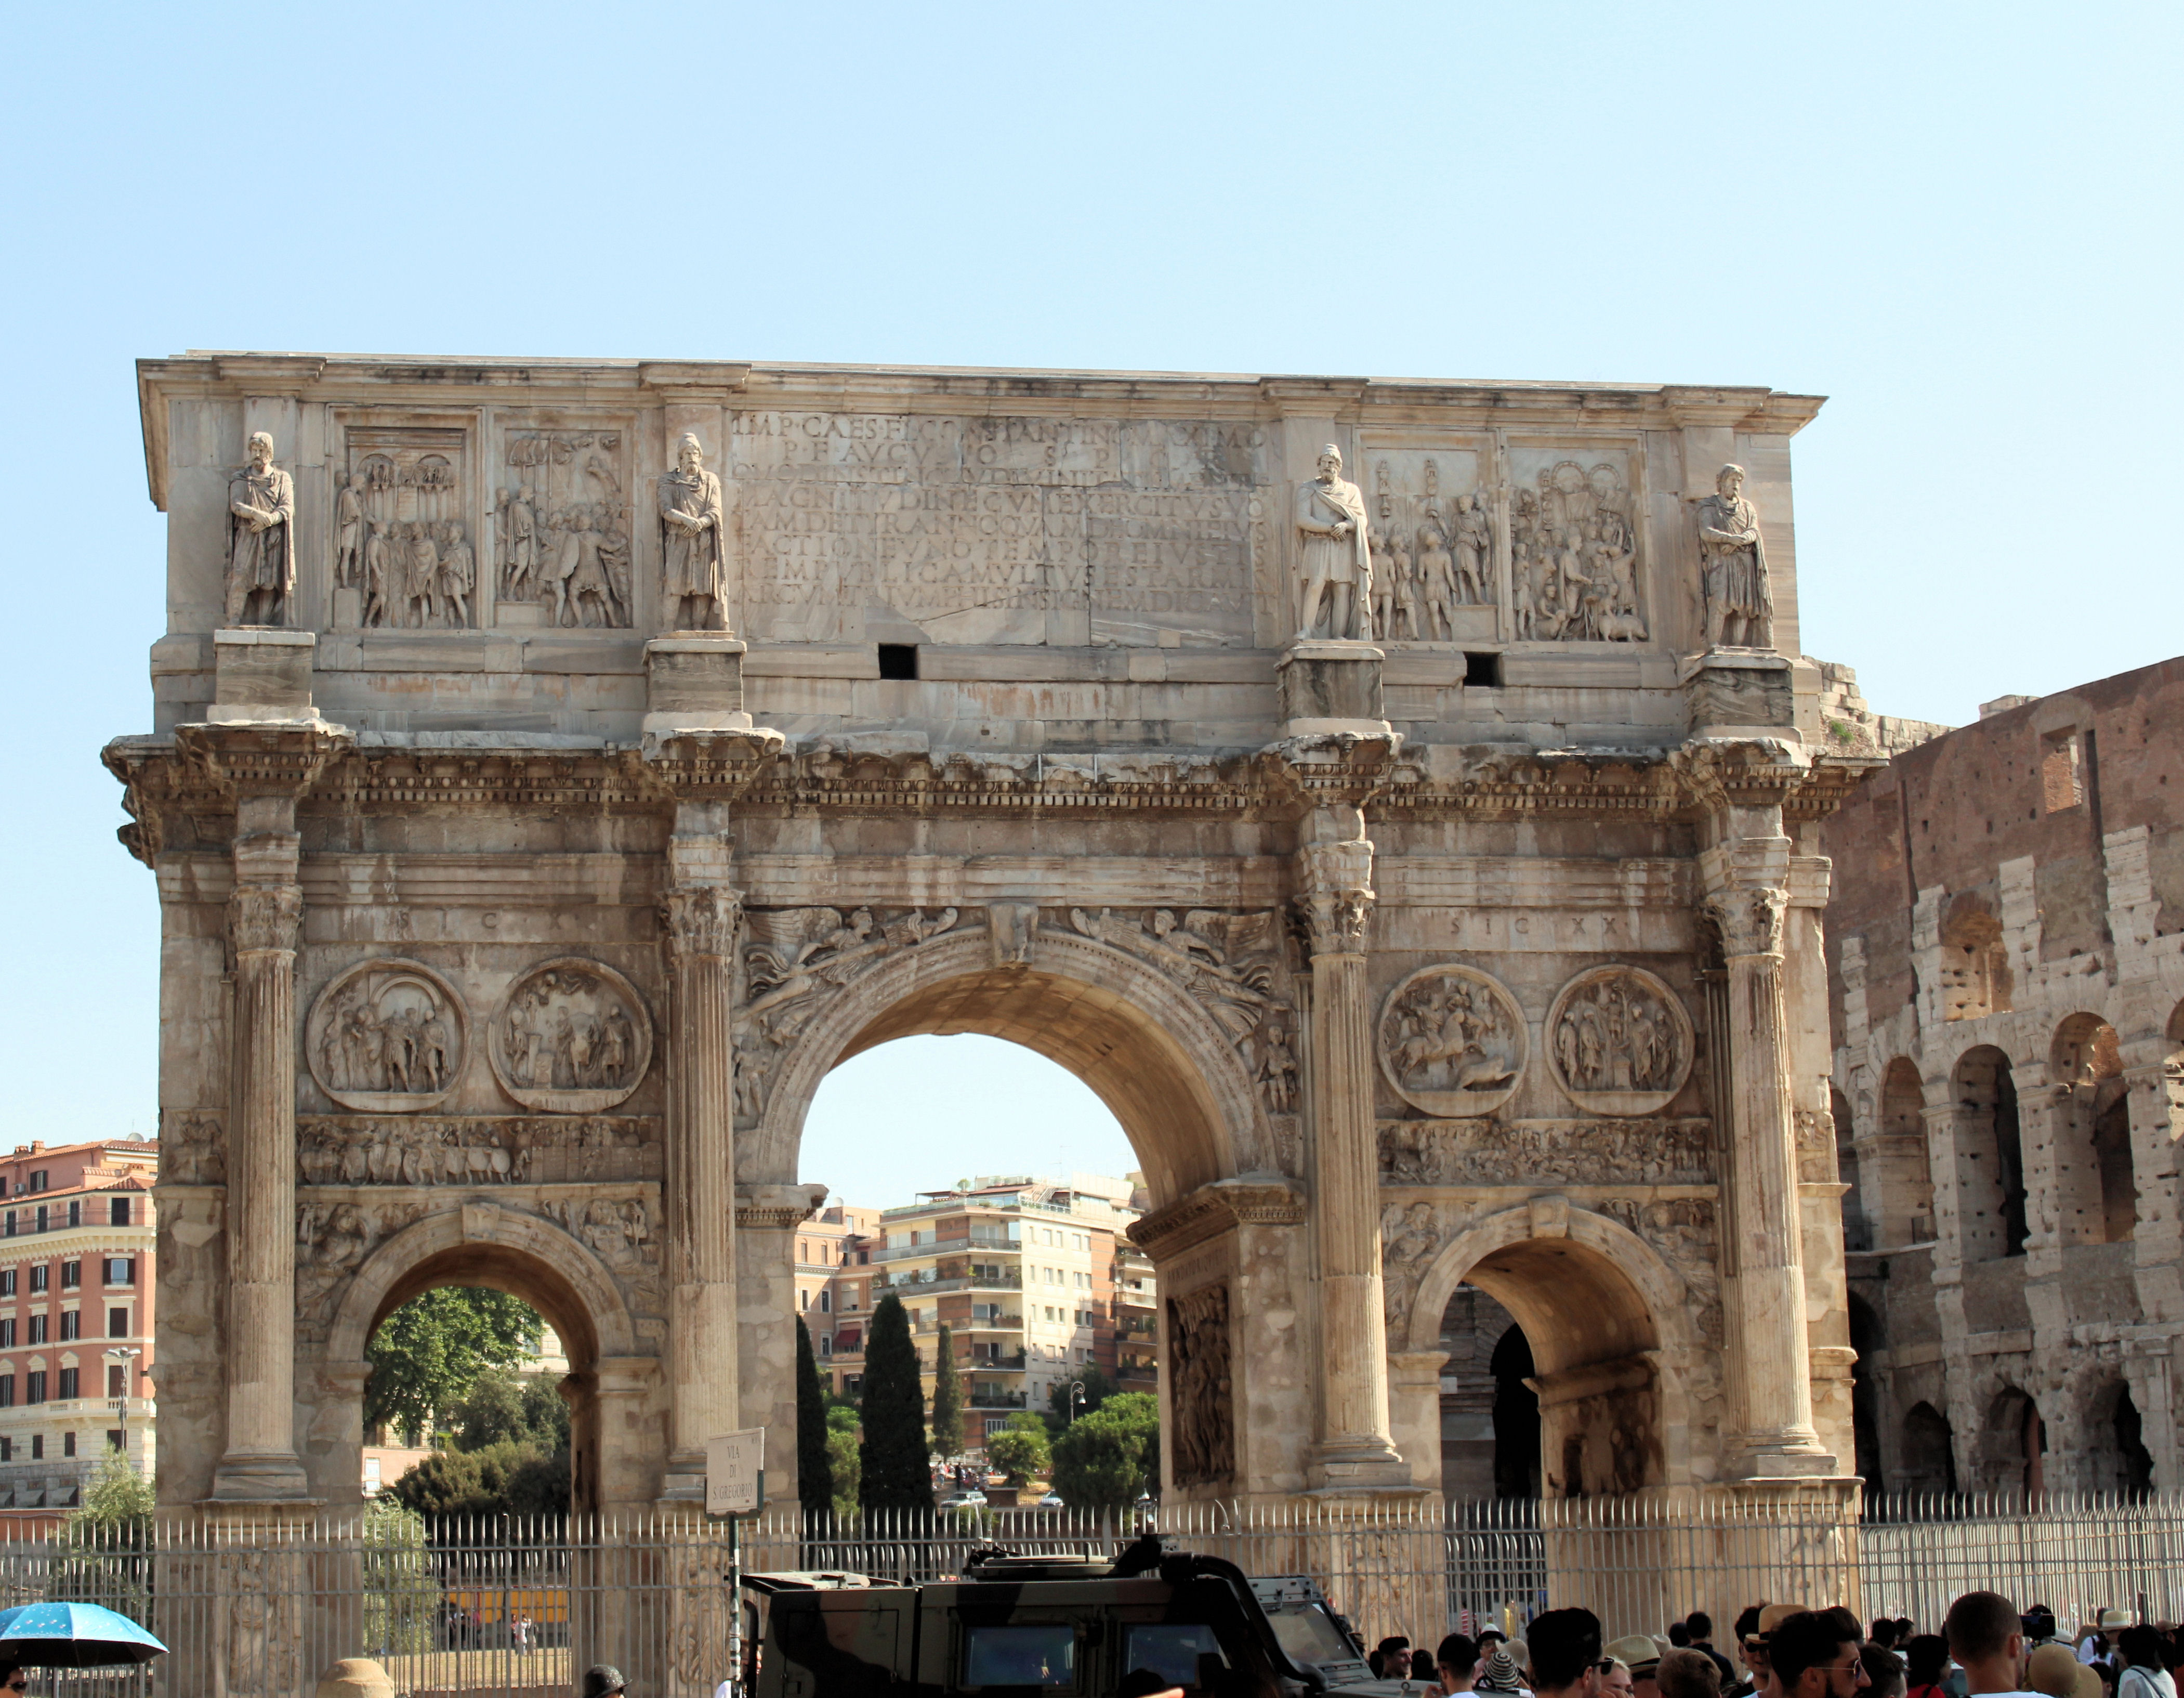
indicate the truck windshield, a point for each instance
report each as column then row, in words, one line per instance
column 1041, row 1654
column 1172, row 1649
column 1310, row 1637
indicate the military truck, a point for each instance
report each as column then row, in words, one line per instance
column 1039, row 1625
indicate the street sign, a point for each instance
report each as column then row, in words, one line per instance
column 735, row 1473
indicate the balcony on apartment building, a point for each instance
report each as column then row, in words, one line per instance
column 956, row 1244
column 926, row 1281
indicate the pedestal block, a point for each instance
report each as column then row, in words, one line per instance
column 693, row 682
column 261, row 673
column 1332, row 686
column 1739, row 692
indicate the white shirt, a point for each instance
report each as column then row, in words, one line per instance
column 2146, row 1683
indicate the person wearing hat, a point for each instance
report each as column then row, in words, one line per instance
column 1641, row 1655
column 603, row 1681
column 1753, row 1649
column 1498, row 1675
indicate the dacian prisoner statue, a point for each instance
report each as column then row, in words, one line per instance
column 261, row 557
column 1336, row 554
column 690, row 519
column 1740, row 608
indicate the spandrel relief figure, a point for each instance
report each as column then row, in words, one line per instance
column 1739, row 606
column 261, row 541
column 1474, row 549
column 1335, row 556
column 517, row 537
column 458, row 572
column 349, row 532
column 378, row 563
column 1381, row 544
column 693, row 540
column 1436, row 575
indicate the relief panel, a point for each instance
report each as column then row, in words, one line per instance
column 1434, row 572
column 1452, row 1042
column 1576, row 544
column 388, row 1037
column 570, row 1037
column 1618, row 1042
column 563, row 522
column 405, row 558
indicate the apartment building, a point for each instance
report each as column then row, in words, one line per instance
column 1033, row 1277
column 827, row 1247
column 77, row 1272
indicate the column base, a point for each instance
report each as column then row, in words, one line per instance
column 1364, row 1463
column 1784, row 1460
column 260, row 1480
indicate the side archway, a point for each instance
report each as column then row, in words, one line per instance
column 1605, row 1317
column 484, row 1245
column 1173, row 1077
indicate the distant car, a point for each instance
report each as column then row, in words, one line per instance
column 963, row 1500
column 1052, row 1500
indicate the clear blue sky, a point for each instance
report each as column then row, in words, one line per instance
column 1958, row 221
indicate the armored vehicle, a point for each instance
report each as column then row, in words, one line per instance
column 1026, row 1625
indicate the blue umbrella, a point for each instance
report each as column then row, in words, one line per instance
column 72, row 1636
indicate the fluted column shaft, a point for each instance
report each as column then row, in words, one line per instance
column 264, row 914
column 701, row 925
column 1770, row 1338
column 1356, row 1443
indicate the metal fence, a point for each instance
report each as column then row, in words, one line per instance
column 517, row 1610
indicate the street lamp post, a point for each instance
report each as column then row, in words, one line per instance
column 126, row 1356
column 1076, row 1401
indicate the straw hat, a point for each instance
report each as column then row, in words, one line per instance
column 1499, row 1672
column 2053, row 1670
column 2115, row 1621
column 2089, row 1682
column 1775, row 1615
column 1636, row 1652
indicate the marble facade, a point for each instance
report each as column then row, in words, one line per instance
column 637, row 740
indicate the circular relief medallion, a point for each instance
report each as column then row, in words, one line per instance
column 570, row 1037
column 1452, row 1042
column 387, row 1037
column 1618, row 1042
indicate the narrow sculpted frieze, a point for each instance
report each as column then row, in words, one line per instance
column 1452, row 1042
column 361, row 1149
column 1492, row 1152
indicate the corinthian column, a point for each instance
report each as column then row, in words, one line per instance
column 262, row 914
column 1769, row 1376
column 701, row 916
column 1355, row 1448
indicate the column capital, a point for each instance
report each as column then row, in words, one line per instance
column 263, row 919
column 1335, row 895
column 1749, row 920
column 701, row 920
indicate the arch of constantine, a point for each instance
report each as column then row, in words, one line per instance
column 1396, row 800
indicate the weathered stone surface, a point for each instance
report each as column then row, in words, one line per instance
column 1463, row 941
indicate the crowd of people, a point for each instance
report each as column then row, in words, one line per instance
column 1985, row 1649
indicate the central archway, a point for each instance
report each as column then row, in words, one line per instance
column 1183, row 1078
column 1169, row 1071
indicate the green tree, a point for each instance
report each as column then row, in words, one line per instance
column 1105, row 1459
column 105, row 1553
column 845, row 1463
column 894, row 1474
column 427, row 1354
column 507, row 1478
column 401, row 1598
column 1097, row 1388
column 527, row 1409
column 947, row 1397
column 1019, row 1449
column 815, row 1479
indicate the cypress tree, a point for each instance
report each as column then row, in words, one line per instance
column 815, row 1482
column 947, row 1398
column 893, row 1474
